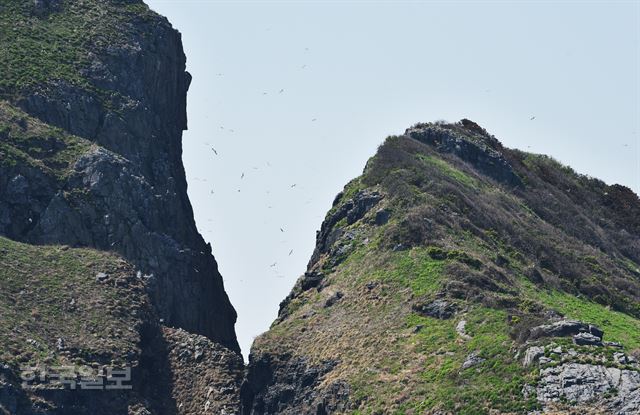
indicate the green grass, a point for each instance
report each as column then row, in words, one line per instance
column 493, row 384
column 35, row 50
column 51, row 292
column 449, row 170
column 27, row 141
column 618, row 327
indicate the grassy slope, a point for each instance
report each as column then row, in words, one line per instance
column 51, row 292
column 397, row 361
column 37, row 49
column 26, row 141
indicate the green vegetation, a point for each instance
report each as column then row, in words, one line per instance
column 37, row 49
column 449, row 170
column 51, row 292
column 618, row 327
column 26, row 141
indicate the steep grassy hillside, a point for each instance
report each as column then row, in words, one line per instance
column 439, row 271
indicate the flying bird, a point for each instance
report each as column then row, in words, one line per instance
column 532, row 118
column 281, row 230
column 281, row 91
column 242, row 176
column 290, row 252
column 214, row 150
column 314, row 119
column 273, row 265
column 294, row 185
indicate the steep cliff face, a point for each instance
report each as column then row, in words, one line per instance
column 458, row 276
column 91, row 119
column 125, row 92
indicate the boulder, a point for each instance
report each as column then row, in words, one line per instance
column 440, row 309
column 564, row 328
column 587, row 339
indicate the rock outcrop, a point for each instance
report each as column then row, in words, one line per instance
column 91, row 156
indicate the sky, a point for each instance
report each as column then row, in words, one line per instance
column 295, row 96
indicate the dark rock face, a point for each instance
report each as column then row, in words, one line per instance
column 285, row 384
column 352, row 210
column 130, row 194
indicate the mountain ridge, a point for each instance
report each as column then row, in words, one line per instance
column 435, row 271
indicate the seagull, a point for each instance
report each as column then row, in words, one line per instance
column 290, row 252
column 532, row 118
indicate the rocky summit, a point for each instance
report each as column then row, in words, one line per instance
column 454, row 276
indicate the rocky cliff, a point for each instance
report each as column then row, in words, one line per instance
column 457, row 276
column 93, row 105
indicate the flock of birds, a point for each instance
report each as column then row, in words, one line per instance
column 216, row 153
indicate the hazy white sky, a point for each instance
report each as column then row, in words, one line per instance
column 303, row 92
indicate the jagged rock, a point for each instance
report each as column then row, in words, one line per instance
column 461, row 329
column 587, row 339
column 472, row 360
column 203, row 373
column 564, row 328
column 352, row 210
column 441, row 309
column 289, row 385
column 532, row 355
column 101, row 277
column 617, row 391
column 333, row 299
column 311, row 280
